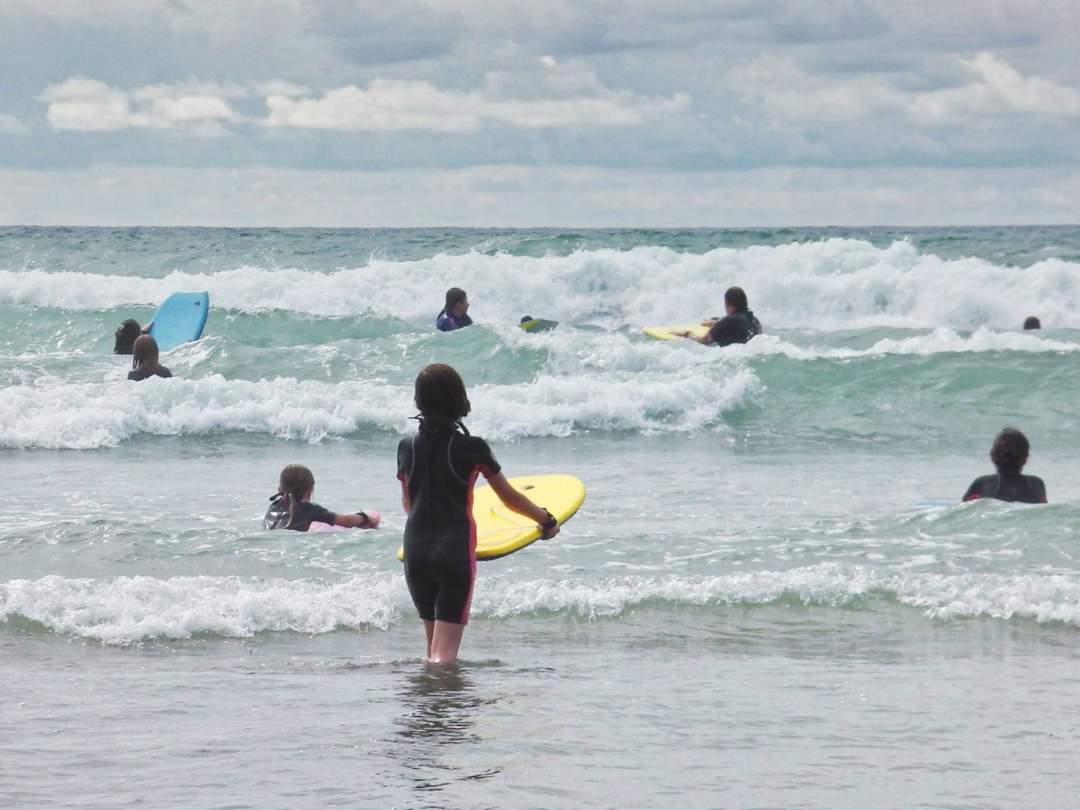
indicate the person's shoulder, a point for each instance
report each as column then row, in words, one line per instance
column 133, row 375
column 406, row 443
column 164, row 372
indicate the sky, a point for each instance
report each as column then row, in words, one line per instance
column 588, row 113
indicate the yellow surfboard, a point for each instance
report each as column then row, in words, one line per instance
column 500, row 532
column 669, row 332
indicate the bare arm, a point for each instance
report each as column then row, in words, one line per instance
column 405, row 496
column 519, row 503
column 705, row 340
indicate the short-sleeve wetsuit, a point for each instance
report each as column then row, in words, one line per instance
column 737, row 328
column 1013, row 488
column 142, row 374
column 438, row 469
column 445, row 322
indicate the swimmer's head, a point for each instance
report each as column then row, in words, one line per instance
column 457, row 303
column 297, row 482
column 144, row 352
column 1010, row 451
column 735, row 300
column 1031, row 322
column 126, row 334
column 440, row 395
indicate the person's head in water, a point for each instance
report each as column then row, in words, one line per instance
column 296, row 483
column 457, row 303
column 126, row 334
column 440, row 396
column 145, row 352
column 1010, row 451
column 1031, row 322
column 735, row 301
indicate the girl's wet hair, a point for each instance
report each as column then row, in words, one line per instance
column 1010, row 451
column 454, row 296
column 145, row 352
column 295, row 482
column 440, row 395
column 126, row 335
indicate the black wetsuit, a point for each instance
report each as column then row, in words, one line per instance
column 439, row 468
column 737, row 328
column 142, row 374
column 1013, row 488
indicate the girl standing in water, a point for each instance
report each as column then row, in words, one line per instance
column 437, row 468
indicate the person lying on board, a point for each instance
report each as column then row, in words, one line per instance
column 1009, row 454
column 126, row 334
column 455, row 314
column 291, row 506
column 437, row 468
column 144, row 360
column 738, row 326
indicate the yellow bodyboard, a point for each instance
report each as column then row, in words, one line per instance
column 669, row 332
column 500, row 532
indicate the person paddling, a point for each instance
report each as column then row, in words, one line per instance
column 738, row 326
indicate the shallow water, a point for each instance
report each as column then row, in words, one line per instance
column 769, row 599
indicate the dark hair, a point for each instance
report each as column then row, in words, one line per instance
column 145, row 352
column 294, row 483
column 1010, row 451
column 440, row 395
column 126, row 334
column 454, row 296
column 737, row 298
column 1031, row 322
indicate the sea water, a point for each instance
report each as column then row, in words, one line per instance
column 771, row 597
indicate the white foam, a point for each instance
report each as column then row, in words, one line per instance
column 125, row 610
column 57, row 415
column 824, row 285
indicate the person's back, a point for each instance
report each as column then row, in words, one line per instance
column 439, row 466
column 1009, row 455
column 739, row 327
column 144, row 360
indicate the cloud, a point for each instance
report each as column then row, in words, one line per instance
column 89, row 105
column 784, row 93
column 999, row 89
column 571, row 97
column 10, row 125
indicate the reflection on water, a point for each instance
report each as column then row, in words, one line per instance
column 440, row 708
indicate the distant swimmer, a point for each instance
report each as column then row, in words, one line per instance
column 1031, row 322
column 126, row 334
column 738, row 326
column 1009, row 454
column 455, row 315
column 437, row 468
column 144, row 361
column 291, row 506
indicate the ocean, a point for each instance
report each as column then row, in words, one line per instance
column 771, row 598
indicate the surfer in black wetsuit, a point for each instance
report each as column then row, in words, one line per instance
column 144, row 360
column 437, row 468
column 738, row 326
column 1009, row 454
column 291, row 506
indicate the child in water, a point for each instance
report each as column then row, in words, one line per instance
column 1009, row 454
column 291, row 507
column 437, row 468
column 144, row 360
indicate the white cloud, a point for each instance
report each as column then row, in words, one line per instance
column 89, row 105
column 10, row 125
column 1000, row 89
column 552, row 97
column 785, row 93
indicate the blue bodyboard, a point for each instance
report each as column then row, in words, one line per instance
column 180, row 319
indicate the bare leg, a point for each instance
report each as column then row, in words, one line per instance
column 445, row 643
column 429, row 631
